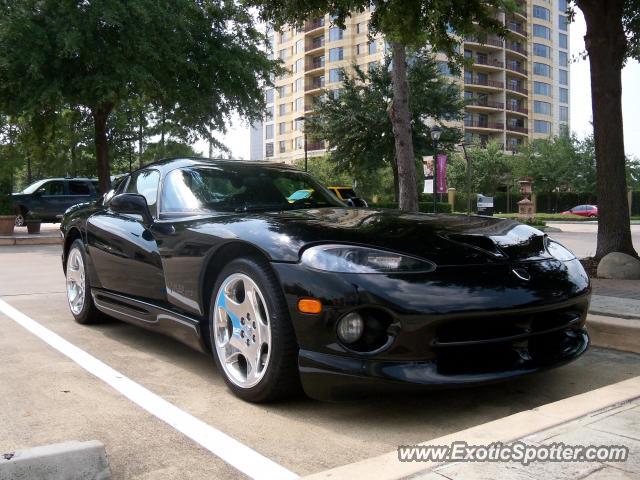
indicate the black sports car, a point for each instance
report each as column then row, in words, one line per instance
column 288, row 290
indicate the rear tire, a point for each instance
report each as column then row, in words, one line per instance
column 79, row 296
column 21, row 217
column 252, row 338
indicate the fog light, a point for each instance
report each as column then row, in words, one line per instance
column 350, row 327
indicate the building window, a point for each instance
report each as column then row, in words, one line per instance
column 373, row 47
column 542, row 107
column 564, row 77
column 360, row 49
column 444, row 68
column 562, row 5
column 298, row 84
column 564, row 114
column 268, row 132
column 541, row 50
column 297, row 124
column 299, row 143
column 361, row 27
column 541, row 88
column 335, row 33
column 563, row 59
column 298, row 67
column 268, row 113
column 299, row 48
column 335, row 75
column 336, row 54
column 541, row 31
column 299, row 104
column 268, row 149
column 268, row 95
column 564, row 95
column 541, row 12
column 282, row 109
column 283, row 54
column 283, row 91
column 563, row 40
column 371, row 66
column 282, row 128
column 541, row 69
column 562, row 22
column 541, row 126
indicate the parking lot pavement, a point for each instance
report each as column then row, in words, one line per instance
column 47, row 398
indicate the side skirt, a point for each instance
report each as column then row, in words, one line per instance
column 152, row 317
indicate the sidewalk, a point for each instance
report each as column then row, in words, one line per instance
column 617, row 425
column 49, row 234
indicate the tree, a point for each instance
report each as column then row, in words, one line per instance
column 202, row 60
column 356, row 124
column 613, row 36
column 403, row 23
column 491, row 168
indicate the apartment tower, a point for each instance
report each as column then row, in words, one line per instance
column 516, row 89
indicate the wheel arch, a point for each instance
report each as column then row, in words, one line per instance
column 213, row 265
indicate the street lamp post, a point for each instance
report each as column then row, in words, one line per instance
column 466, row 158
column 302, row 119
column 435, row 136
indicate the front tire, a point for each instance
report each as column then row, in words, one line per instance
column 252, row 338
column 79, row 296
column 21, row 217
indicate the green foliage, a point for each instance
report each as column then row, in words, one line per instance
column 358, row 129
column 194, row 62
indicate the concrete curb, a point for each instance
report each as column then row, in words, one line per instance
column 35, row 239
column 507, row 429
column 61, row 461
column 612, row 332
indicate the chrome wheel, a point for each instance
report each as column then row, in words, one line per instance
column 242, row 331
column 75, row 281
column 20, row 220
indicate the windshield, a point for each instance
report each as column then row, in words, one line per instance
column 33, row 187
column 241, row 188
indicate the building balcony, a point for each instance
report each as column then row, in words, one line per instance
column 517, row 48
column 484, row 83
column 314, row 65
column 315, row 84
column 520, row 30
column 517, row 129
column 315, row 146
column 478, row 103
column 487, row 62
column 521, row 9
column 517, row 89
column 515, row 68
column 314, row 24
column 517, row 109
column 483, row 125
column 492, row 42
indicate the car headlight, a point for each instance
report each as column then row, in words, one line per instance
column 558, row 251
column 354, row 259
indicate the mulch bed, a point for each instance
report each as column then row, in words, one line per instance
column 590, row 265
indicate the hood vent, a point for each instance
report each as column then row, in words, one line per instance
column 478, row 242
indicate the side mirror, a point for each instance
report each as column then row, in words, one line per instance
column 132, row 204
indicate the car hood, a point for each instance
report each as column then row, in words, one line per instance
column 443, row 239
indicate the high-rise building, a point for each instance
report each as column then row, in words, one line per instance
column 516, row 89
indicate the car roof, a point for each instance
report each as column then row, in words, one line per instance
column 169, row 164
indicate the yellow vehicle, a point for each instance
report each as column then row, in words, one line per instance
column 348, row 194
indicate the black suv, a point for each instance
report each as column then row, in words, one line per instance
column 48, row 199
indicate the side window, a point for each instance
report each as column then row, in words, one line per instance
column 79, row 188
column 52, row 188
column 145, row 182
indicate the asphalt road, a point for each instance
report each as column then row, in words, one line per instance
column 45, row 397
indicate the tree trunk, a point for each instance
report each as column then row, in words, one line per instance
column 162, row 125
column 100, row 115
column 606, row 45
column 401, row 121
column 396, row 186
column 140, row 138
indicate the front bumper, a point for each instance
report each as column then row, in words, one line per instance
column 455, row 326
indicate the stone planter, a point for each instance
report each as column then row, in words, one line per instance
column 7, row 224
column 33, row 226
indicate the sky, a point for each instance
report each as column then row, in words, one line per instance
column 237, row 137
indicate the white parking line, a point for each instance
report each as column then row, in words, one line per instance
column 239, row 456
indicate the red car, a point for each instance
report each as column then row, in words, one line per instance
column 583, row 211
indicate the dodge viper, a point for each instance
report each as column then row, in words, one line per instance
column 288, row 292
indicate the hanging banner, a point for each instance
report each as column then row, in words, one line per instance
column 442, row 173
column 427, row 165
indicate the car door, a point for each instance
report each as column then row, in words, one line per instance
column 48, row 200
column 78, row 191
column 124, row 251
